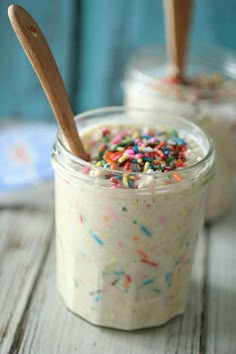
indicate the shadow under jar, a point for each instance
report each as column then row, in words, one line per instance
column 208, row 98
column 124, row 252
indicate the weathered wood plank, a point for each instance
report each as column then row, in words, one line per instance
column 50, row 328
column 24, row 242
column 220, row 331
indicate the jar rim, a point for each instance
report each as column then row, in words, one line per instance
column 198, row 52
column 149, row 65
column 121, row 109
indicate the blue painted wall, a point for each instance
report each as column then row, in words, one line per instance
column 92, row 40
column 20, row 92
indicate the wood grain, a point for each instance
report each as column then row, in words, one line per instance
column 34, row 320
column 220, row 313
column 177, row 15
column 43, row 62
column 24, row 243
column 67, row 333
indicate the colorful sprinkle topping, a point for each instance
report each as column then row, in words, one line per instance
column 140, row 150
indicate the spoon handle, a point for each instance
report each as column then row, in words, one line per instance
column 177, row 13
column 43, row 62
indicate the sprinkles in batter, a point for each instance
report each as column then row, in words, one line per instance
column 132, row 248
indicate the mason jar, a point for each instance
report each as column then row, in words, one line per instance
column 211, row 104
column 124, row 254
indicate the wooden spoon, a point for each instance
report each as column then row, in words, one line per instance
column 177, row 20
column 43, row 62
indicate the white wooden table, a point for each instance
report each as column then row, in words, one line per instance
column 34, row 320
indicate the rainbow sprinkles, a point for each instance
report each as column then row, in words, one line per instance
column 140, row 151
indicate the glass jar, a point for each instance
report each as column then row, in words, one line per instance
column 212, row 105
column 124, row 255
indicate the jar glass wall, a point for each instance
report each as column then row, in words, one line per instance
column 211, row 103
column 124, row 255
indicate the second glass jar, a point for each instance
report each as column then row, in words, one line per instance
column 211, row 103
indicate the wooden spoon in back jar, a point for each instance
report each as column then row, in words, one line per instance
column 177, row 21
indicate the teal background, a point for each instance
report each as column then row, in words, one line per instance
column 91, row 41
